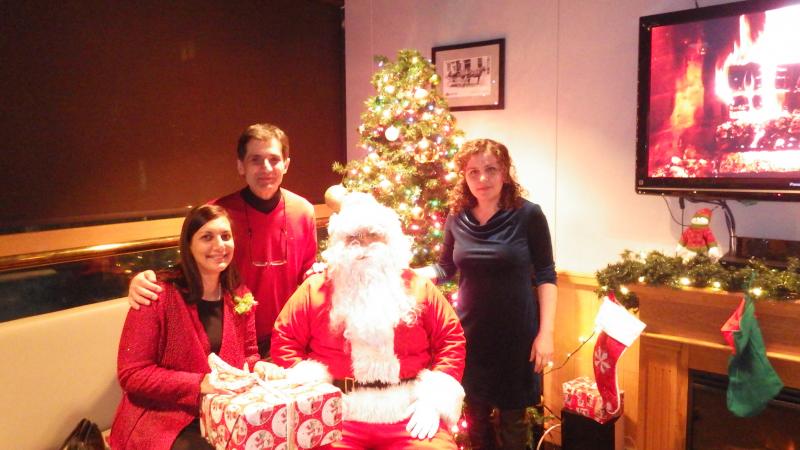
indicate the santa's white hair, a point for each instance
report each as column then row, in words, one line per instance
column 361, row 212
column 369, row 295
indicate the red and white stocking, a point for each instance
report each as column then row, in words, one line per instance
column 618, row 330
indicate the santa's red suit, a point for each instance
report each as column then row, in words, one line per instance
column 426, row 362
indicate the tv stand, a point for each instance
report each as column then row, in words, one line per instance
column 772, row 252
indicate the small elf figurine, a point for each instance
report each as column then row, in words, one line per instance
column 698, row 238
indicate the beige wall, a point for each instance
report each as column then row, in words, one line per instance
column 570, row 112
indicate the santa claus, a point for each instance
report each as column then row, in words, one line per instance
column 385, row 336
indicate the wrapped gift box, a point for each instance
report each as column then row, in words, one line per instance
column 275, row 415
column 582, row 397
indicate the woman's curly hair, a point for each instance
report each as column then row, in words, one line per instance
column 511, row 194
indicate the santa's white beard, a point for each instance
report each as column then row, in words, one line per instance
column 369, row 301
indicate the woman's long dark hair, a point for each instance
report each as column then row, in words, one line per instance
column 188, row 279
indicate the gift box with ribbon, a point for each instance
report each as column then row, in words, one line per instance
column 273, row 415
column 582, row 397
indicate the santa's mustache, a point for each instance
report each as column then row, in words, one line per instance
column 352, row 256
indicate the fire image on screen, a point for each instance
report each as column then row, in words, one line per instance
column 725, row 97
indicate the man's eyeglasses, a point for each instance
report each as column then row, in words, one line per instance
column 266, row 259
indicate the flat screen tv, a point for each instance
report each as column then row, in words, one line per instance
column 719, row 102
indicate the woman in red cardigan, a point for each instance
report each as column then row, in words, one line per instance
column 163, row 352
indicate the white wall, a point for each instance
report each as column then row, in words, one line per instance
column 569, row 117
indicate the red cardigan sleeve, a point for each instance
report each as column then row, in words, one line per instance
column 141, row 345
column 251, row 346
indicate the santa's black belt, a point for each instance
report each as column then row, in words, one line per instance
column 350, row 384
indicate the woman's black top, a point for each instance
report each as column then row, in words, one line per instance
column 499, row 263
column 210, row 313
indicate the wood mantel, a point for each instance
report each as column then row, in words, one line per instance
column 683, row 332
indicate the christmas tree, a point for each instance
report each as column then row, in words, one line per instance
column 410, row 138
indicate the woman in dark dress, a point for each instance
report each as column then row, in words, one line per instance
column 500, row 244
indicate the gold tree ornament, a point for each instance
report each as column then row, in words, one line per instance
column 391, row 133
column 334, row 196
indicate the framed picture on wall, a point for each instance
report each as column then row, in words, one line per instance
column 472, row 74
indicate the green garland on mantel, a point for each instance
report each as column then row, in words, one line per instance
column 658, row 269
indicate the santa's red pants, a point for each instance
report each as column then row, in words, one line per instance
column 382, row 436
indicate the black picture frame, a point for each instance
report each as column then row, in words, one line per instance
column 472, row 75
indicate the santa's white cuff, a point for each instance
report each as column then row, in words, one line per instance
column 618, row 323
column 309, row 371
column 442, row 391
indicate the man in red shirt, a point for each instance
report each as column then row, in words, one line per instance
column 274, row 230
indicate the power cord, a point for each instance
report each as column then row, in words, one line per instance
column 544, row 435
column 663, row 197
column 569, row 355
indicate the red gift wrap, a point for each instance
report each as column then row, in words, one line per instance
column 273, row 415
column 582, row 397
